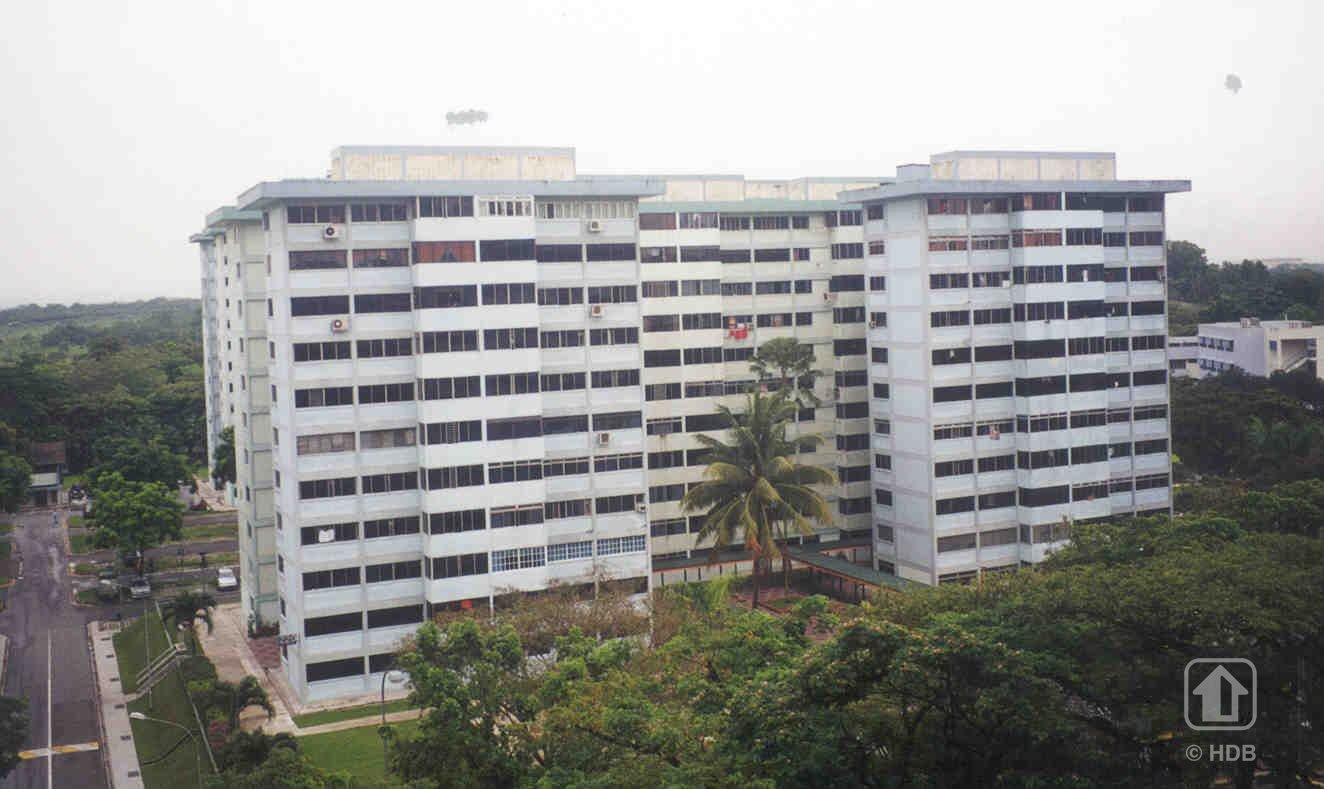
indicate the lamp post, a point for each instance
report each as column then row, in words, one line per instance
column 197, row 755
column 396, row 677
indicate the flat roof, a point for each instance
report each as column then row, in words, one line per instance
column 268, row 192
column 756, row 206
column 930, row 186
column 1026, row 154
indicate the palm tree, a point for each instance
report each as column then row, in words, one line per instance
column 754, row 487
column 188, row 608
column 789, row 362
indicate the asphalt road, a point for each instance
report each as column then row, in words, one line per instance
column 49, row 662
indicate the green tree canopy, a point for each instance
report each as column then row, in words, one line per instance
column 15, row 478
column 137, row 515
column 13, row 732
column 223, row 469
column 138, row 462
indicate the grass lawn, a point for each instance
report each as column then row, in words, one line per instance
column 85, row 568
column 77, row 522
column 193, row 560
column 356, row 751
column 152, row 739
column 349, row 713
column 130, row 649
column 6, row 528
column 87, row 597
column 210, row 531
column 6, row 549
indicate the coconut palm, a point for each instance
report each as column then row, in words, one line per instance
column 752, row 488
column 789, row 363
column 188, row 608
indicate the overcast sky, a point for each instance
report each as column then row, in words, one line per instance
column 127, row 121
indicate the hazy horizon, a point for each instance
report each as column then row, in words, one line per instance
column 129, row 123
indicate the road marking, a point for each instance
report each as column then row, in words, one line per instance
column 43, row 753
column 50, row 709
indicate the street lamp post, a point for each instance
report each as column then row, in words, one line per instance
column 396, row 677
column 197, row 754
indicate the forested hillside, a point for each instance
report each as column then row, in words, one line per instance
column 88, row 373
column 1202, row 291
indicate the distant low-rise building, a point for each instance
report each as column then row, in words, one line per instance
column 1184, row 357
column 48, row 461
column 1255, row 347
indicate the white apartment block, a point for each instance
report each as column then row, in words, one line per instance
column 1255, row 347
column 1019, row 356
column 470, row 372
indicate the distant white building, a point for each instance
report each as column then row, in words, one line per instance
column 1256, row 347
column 1184, row 357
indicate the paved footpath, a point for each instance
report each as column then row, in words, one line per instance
column 121, row 752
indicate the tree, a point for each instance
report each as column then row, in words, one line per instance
column 13, row 731
column 284, row 768
column 246, row 751
column 752, row 487
column 138, row 462
column 793, row 364
column 227, row 699
column 137, row 515
column 15, row 477
column 474, row 682
column 223, row 469
column 189, row 607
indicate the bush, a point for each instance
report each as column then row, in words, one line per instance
column 198, row 669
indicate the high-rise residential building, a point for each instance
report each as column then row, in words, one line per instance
column 1020, row 343
column 463, row 374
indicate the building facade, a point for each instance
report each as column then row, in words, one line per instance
column 461, row 374
column 1018, row 340
column 1256, row 347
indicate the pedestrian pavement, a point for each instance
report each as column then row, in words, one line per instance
column 116, row 731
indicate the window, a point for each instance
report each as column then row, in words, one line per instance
column 392, row 571
column 667, row 528
column 734, row 255
column 391, row 346
column 604, row 252
column 612, row 294
column 574, row 508
column 1084, row 236
column 877, row 248
column 331, row 532
column 699, row 423
column 772, row 223
column 702, row 355
column 1047, row 385
column 565, row 338
column 773, row 255
column 606, row 505
column 845, row 283
column 457, row 521
column 333, row 669
column 947, row 205
column 1040, row 349
column 700, row 254
column 774, row 320
column 667, row 391
column 991, row 390
column 301, row 306
column 444, row 252
column 951, row 394
column 569, row 551
column 620, row 420
column 611, row 546
column 981, row 243
column 772, row 287
column 951, row 355
column 391, row 527
column 328, row 579
column 508, row 293
column 1151, row 412
column 395, row 617
column 564, row 425
column 1034, row 275
column 878, row 355
column 1095, row 417
column 458, row 566
column 1051, row 201
column 320, row 398
column 513, row 471
column 450, row 388
column 948, row 243
column 337, row 623
column 315, row 214
column 1146, row 238
column 882, row 427
column 562, row 382
column 1091, row 453
column 318, row 259
column 519, row 515
column 448, row 341
column 381, row 258
column 667, row 459
column 505, row 206
column 700, row 287
column 847, row 251
column 954, row 505
column 1043, row 497
column 390, row 483
column 941, row 281
column 1145, row 203
column 1153, row 447
column 1039, row 311
column 510, row 339
column 560, row 296
column 518, row 559
column 1147, row 308
column 602, row 379
column 854, row 506
column 510, row 384
column 657, row 221
column 559, row 253
column 454, row 477
column 1151, row 481
column 725, row 222
column 1036, row 238
column 956, row 542
column 498, row 250
column 992, row 316
column 852, row 442
column 452, row 432
column 382, row 302
column 698, row 320
column 625, row 462
column 943, row 318
column 664, row 358
column 849, row 347
column 692, row 220
column 325, row 443
column 445, row 206
column 737, row 355
column 737, row 288
column 321, row 351
column 665, row 426
column 386, row 393
column 445, row 297
column 1085, row 309
column 565, row 467
column 993, row 353
column 851, row 378
column 953, row 468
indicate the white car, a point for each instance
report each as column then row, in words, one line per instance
column 225, row 579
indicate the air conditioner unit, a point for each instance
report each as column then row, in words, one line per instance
column 595, row 310
column 829, row 297
column 340, row 325
column 330, row 232
column 1006, row 283
column 873, row 324
column 595, row 225
column 639, row 506
column 604, row 439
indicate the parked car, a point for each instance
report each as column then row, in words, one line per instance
column 139, row 588
column 225, row 579
column 131, row 558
